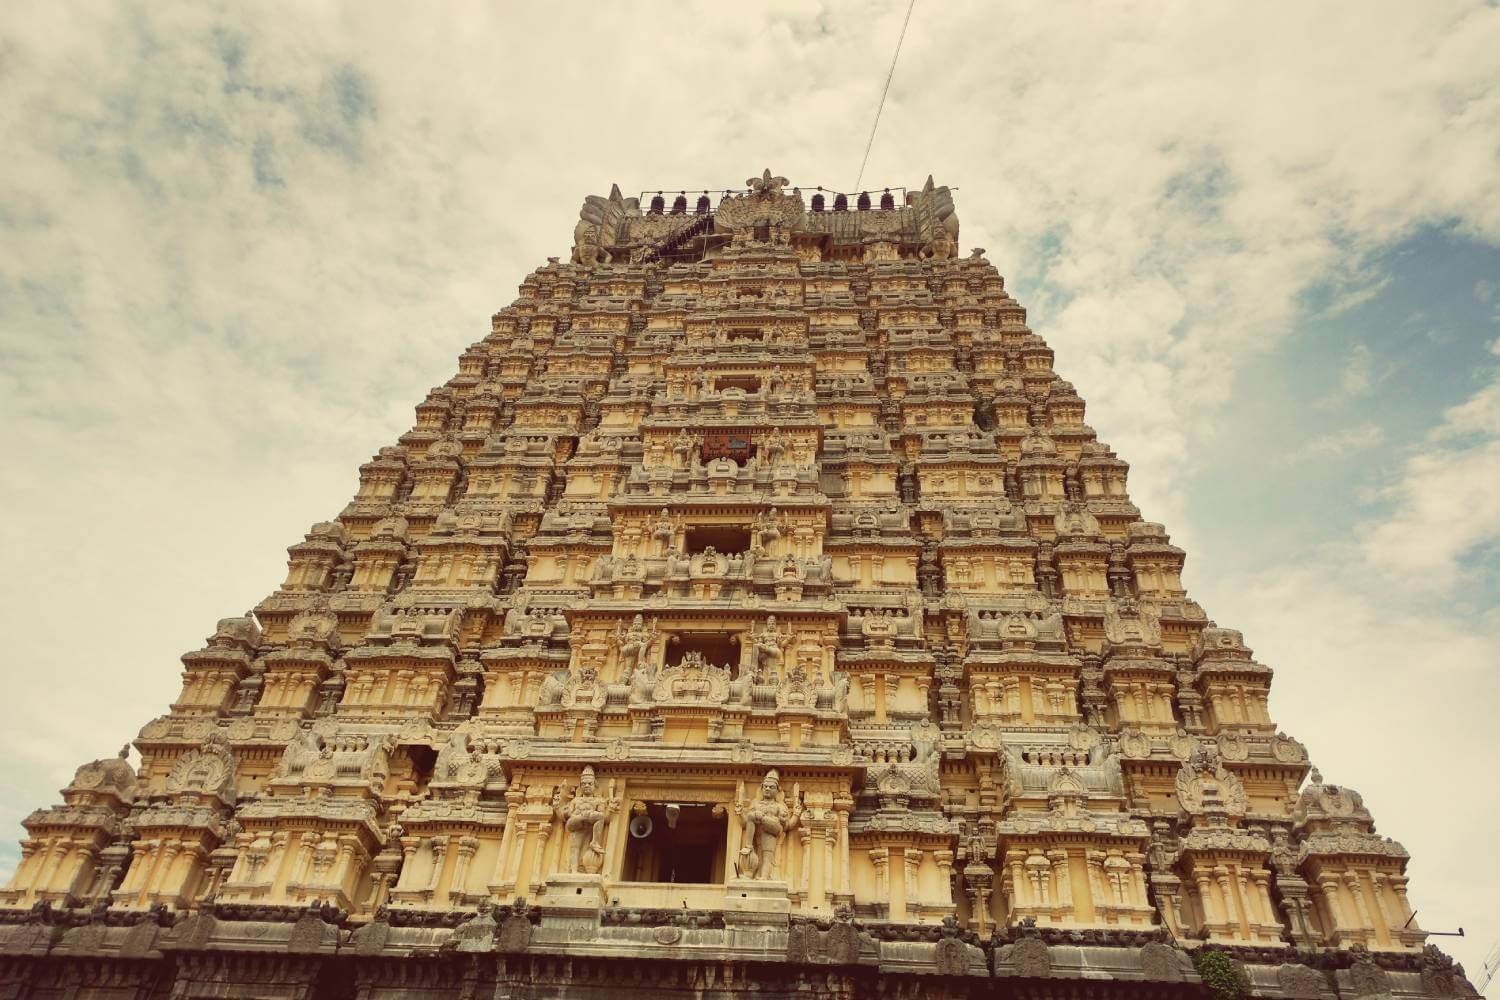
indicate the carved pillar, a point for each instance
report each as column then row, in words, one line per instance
column 1167, row 889
column 880, row 857
column 24, row 876
column 1098, row 882
column 830, row 848
column 141, row 855
column 467, row 846
column 944, row 861
column 912, row 858
column 1010, row 699
column 844, row 883
column 1296, row 906
column 1328, row 885
column 51, row 862
column 1018, row 884
column 892, row 693
column 409, row 847
column 1062, row 883
column 1398, row 885
column 79, row 866
column 1226, row 887
column 978, row 881
column 1263, row 899
column 171, row 852
column 1206, row 898
column 1357, row 890
column 504, row 876
column 804, row 876
column 538, row 857
column 196, row 869
column 1137, row 880
column 1385, row 901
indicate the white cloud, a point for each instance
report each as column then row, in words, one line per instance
column 1479, row 414
column 244, row 242
column 1445, row 505
column 1338, row 444
column 1359, row 290
column 1357, row 377
column 1360, row 374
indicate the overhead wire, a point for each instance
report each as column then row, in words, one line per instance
column 884, row 91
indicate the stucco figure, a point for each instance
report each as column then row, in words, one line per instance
column 767, row 820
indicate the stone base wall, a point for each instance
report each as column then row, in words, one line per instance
column 532, row 954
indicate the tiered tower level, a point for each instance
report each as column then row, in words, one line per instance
column 753, row 611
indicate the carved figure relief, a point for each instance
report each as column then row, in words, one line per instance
column 767, row 820
column 586, row 815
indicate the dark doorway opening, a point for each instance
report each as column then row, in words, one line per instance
column 749, row 383
column 726, row 539
column 685, row 845
column 721, row 649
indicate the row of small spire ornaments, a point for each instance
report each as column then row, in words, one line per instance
column 862, row 202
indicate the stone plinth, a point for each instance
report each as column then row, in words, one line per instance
column 574, row 892
column 753, row 902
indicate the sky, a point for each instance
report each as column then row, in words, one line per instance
column 238, row 243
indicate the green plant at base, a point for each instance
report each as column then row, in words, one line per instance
column 1222, row 976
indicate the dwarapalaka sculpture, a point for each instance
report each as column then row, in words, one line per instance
column 585, row 817
column 768, row 819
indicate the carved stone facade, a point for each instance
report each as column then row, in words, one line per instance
column 753, row 610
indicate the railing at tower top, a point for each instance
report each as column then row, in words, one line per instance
column 703, row 212
column 821, row 200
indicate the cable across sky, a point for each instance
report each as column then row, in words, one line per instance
column 884, row 91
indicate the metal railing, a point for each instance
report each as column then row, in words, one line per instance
column 831, row 198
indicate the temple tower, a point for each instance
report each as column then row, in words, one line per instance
column 753, row 609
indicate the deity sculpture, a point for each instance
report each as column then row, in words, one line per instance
column 585, row 817
column 633, row 643
column 835, row 693
column 663, row 530
column 643, row 684
column 775, row 446
column 766, row 648
column 552, row 688
column 342, row 574
column 766, row 529
column 603, row 569
column 682, row 447
column 767, row 820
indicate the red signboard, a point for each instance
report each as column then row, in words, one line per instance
column 736, row 446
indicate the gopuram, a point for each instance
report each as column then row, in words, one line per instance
column 754, row 613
